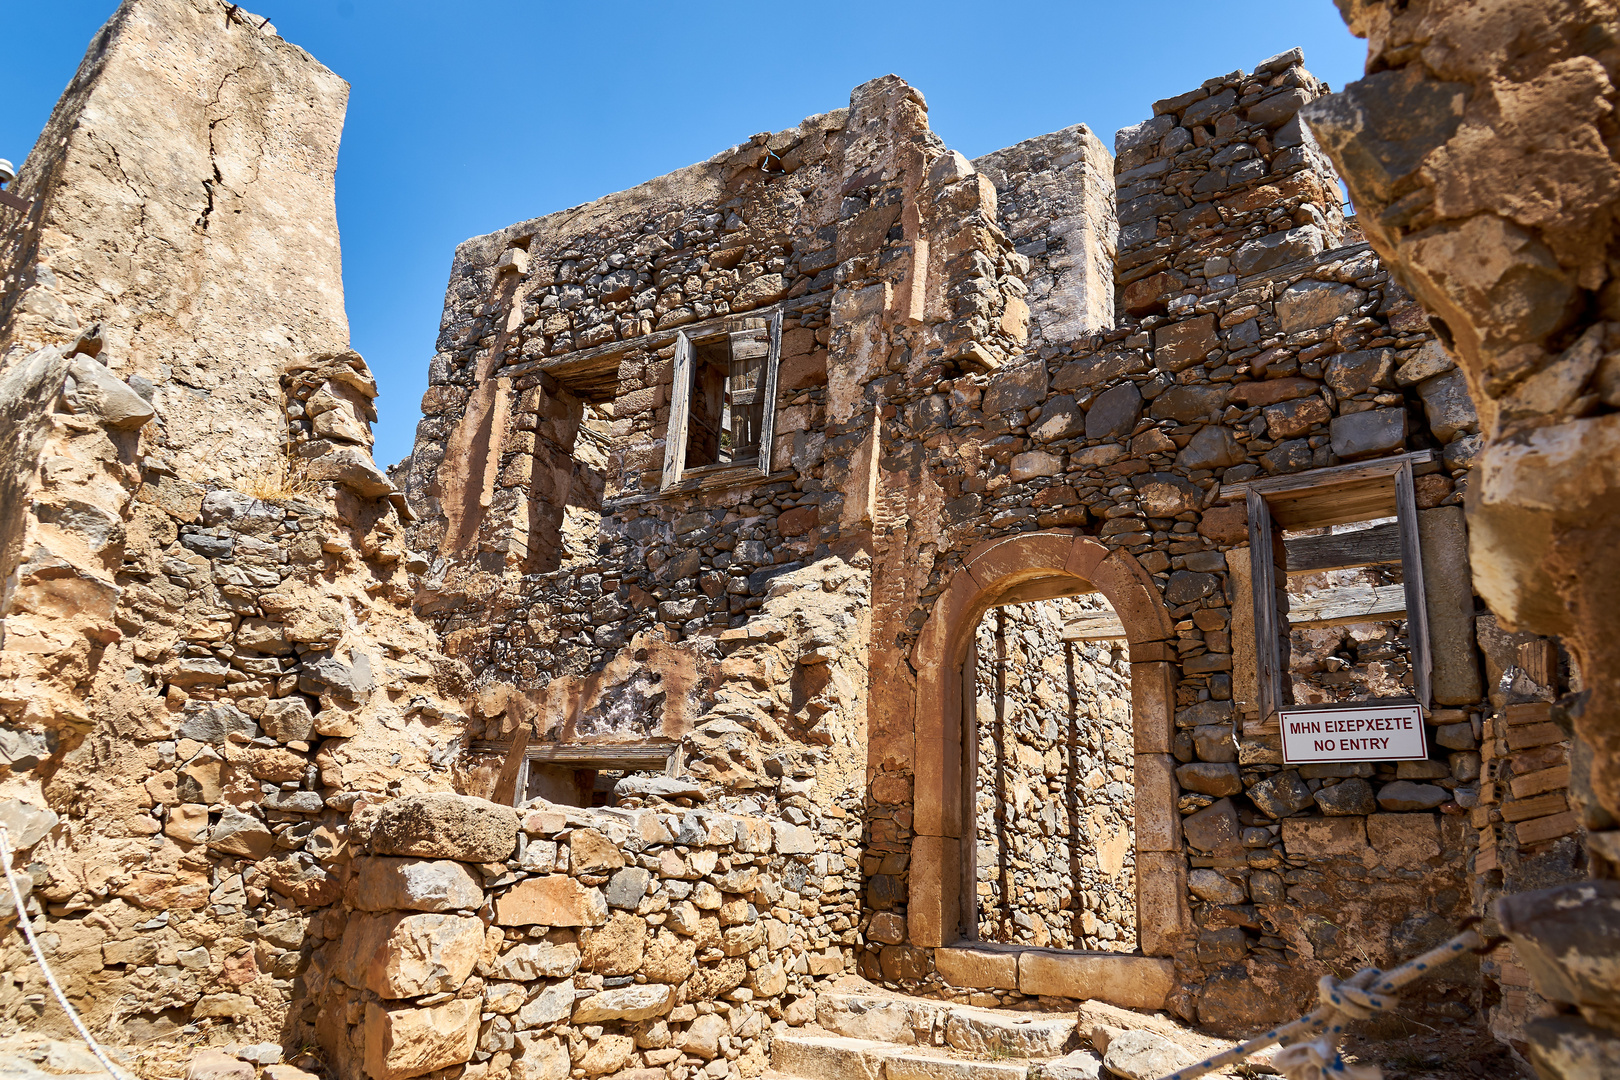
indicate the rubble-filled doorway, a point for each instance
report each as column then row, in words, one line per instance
column 1051, row 751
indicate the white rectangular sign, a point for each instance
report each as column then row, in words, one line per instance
column 1367, row 732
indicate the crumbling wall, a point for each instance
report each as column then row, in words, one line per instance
column 1482, row 154
column 208, row 649
column 1056, row 865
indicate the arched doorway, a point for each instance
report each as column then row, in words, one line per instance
column 1038, row 566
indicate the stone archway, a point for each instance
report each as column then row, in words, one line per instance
column 1040, row 566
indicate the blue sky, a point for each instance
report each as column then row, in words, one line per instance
column 465, row 117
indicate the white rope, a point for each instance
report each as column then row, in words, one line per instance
column 50, row 979
column 1365, row 994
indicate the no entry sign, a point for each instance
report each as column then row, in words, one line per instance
column 1364, row 732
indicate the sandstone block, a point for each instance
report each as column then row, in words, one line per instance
column 617, row 947
column 1215, row 829
column 218, row 1065
column 442, row 825
column 1210, row 778
column 554, row 900
column 1281, row 794
column 1406, row 795
column 1114, row 413
column 982, row 969
column 1306, row 304
column 1446, row 403
column 405, row 1042
column 552, row 1005
column 1215, row 887
column 1184, row 343
column 990, row 1034
column 1353, row 796
column 398, row 955
column 1131, row 982
column 1143, row 1055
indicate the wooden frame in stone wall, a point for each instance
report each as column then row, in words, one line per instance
column 676, row 468
column 1313, row 499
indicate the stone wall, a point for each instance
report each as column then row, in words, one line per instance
column 947, row 381
column 1055, row 863
column 554, row 941
column 208, row 652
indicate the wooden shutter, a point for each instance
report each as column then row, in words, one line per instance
column 1417, row 610
column 680, row 406
column 1268, row 576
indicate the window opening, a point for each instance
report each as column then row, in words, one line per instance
column 722, row 409
column 584, row 774
column 1337, row 579
column 1051, row 753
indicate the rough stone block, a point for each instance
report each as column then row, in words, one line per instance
column 441, row 825
column 388, row 884
column 1325, row 836
column 1368, row 433
column 1114, row 413
column 406, row 1042
column 1404, row 840
column 554, row 900
column 1131, row 982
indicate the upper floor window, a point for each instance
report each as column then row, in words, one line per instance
column 722, row 408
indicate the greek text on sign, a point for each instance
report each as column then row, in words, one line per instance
column 1364, row 733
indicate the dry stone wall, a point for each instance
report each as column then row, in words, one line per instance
column 557, row 941
column 1056, row 865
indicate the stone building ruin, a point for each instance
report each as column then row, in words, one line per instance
column 835, row 616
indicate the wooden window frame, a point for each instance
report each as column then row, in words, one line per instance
column 1338, row 495
column 513, row 784
column 680, row 410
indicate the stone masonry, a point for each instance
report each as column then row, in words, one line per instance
column 781, row 478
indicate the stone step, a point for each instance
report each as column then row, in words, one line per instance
column 894, row 1018
column 839, row 1057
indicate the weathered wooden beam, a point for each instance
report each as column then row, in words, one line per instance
column 1350, row 604
column 1363, row 547
column 629, row 756
column 1103, row 626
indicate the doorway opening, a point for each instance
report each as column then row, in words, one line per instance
column 1049, row 741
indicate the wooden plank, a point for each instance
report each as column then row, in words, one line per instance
column 1270, row 606
column 631, row 756
column 1337, row 495
column 1534, row 783
column 767, row 424
column 506, row 784
column 680, row 407
column 1528, row 712
column 1548, row 828
column 1103, row 626
column 1417, row 608
column 1349, row 604
column 1336, row 551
